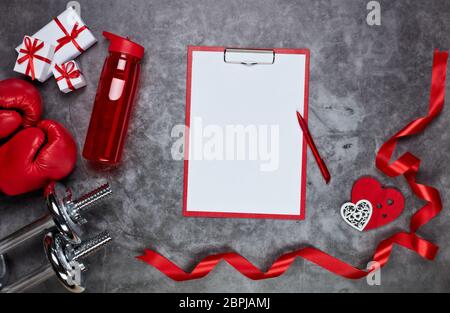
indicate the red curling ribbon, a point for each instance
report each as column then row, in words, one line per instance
column 30, row 54
column 69, row 37
column 407, row 165
column 68, row 72
column 282, row 264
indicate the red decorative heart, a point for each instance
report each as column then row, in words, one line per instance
column 387, row 203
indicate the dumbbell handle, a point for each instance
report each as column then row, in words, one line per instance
column 30, row 280
column 56, row 260
column 23, row 234
column 45, row 222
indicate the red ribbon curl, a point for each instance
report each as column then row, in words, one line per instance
column 30, row 54
column 407, row 165
column 69, row 37
column 68, row 72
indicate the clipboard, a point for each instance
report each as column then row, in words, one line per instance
column 231, row 87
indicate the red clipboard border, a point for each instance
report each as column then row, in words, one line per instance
column 187, row 213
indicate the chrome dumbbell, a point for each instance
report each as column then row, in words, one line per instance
column 64, row 213
column 64, row 260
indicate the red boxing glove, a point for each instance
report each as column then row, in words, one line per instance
column 35, row 156
column 20, row 105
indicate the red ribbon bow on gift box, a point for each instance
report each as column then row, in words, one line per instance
column 68, row 72
column 69, row 37
column 30, row 54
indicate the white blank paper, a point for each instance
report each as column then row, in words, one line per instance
column 224, row 94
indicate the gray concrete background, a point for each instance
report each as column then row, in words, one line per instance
column 366, row 83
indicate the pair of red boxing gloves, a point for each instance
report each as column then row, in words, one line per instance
column 33, row 152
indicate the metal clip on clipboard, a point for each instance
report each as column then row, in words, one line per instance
column 249, row 56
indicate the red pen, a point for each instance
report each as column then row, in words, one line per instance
column 322, row 166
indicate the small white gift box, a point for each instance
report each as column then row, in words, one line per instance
column 35, row 58
column 68, row 76
column 68, row 34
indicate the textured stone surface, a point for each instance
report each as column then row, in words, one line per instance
column 366, row 83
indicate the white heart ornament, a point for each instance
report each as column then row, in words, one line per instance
column 357, row 215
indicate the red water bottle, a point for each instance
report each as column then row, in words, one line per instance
column 114, row 100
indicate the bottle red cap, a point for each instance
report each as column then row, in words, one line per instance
column 123, row 45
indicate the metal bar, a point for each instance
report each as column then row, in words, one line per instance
column 34, row 278
column 90, row 198
column 35, row 228
column 91, row 246
column 4, row 271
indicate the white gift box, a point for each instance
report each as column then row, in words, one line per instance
column 68, row 76
column 68, row 34
column 35, row 58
